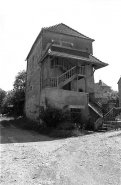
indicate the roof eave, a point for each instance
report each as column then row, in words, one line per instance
column 119, row 80
column 101, row 65
column 98, row 66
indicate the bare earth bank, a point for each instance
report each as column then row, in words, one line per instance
column 87, row 160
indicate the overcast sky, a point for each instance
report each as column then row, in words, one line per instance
column 22, row 20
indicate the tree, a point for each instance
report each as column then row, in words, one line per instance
column 2, row 96
column 7, row 104
column 20, row 80
column 14, row 100
column 112, row 96
column 19, row 92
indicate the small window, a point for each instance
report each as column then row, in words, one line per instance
column 33, row 58
column 67, row 44
column 55, row 42
column 52, row 63
column 80, row 90
column 87, row 49
column 75, row 110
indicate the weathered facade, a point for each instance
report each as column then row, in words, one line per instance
column 60, row 67
column 119, row 90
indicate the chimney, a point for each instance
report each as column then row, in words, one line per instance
column 100, row 82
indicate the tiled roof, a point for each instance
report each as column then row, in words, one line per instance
column 60, row 28
column 64, row 29
column 96, row 60
column 102, row 84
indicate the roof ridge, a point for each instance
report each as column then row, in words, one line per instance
column 103, row 83
column 51, row 26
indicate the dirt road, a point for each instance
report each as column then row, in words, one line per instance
column 29, row 158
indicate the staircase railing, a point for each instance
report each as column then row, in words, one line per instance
column 56, row 81
column 53, row 82
column 68, row 74
column 98, row 123
column 110, row 115
column 96, row 106
column 107, row 117
column 95, row 101
column 99, row 111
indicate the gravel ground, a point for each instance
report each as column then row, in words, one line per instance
column 28, row 158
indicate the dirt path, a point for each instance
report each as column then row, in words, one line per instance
column 88, row 160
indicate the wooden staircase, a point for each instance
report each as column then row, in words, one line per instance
column 63, row 79
column 102, row 124
column 70, row 72
column 108, row 120
column 67, row 77
column 95, row 106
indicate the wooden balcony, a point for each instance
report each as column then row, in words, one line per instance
column 66, row 77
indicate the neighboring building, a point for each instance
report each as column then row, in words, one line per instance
column 60, row 67
column 100, row 91
column 119, row 90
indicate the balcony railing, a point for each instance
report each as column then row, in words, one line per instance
column 81, row 70
column 56, row 81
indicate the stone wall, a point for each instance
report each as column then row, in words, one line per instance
column 33, row 82
column 60, row 98
column 89, row 79
column 36, row 76
column 119, row 90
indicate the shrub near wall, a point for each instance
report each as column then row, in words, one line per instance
column 52, row 116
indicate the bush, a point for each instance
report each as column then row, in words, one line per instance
column 53, row 116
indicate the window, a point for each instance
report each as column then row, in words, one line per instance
column 75, row 115
column 54, row 62
column 33, row 58
column 87, row 49
column 67, row 44
column 55, row 42
column 31, row 88
column 80, row 90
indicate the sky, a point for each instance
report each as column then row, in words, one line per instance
column 22, row 20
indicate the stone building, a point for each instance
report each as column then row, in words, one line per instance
column 119, row 90
column 100, row 91
column 60, row 68
column 101, row 87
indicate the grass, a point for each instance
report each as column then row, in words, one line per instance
column 23, row 123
